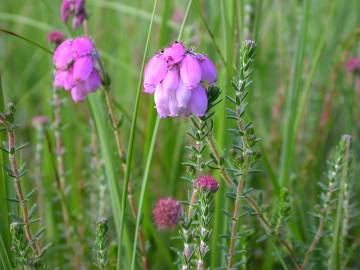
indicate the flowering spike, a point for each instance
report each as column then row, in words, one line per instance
column 167, row 213
column 175, row 77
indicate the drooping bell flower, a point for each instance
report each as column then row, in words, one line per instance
column 167, row 213
column 76, row 67
column 176, row 77
column 74, row 9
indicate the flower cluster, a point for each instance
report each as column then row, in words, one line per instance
column 175, row 76
column 76, row 62
column 167, row 213
column 75, row 9
column 56, row 37
column 207, row 183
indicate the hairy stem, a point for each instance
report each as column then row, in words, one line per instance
column 235, row 217
column 34, row 244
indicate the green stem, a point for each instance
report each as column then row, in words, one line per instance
column 152, row 144
column 132, row 140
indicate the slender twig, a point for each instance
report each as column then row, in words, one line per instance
column 34, row 244
column 267, row 226
column 235, row 217
column 265, row 223
column 323, row 216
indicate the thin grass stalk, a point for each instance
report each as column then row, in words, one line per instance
column 132, row 138
column 122, row 157
column 299, row 114
column 210, row 33
column 292, row 99
column 143, row 189
column 4, row 205
column 60, row 164
column 4, row 256
column 154, row 133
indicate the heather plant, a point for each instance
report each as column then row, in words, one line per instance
column 223, row 150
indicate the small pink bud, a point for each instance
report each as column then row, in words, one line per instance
column 56, row 37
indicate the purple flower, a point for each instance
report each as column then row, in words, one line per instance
column 75, row 9
column 56, row 37
column 353, row 64
column 167, row 213
column 206, row 183
column 176, row 76
column 76, row 67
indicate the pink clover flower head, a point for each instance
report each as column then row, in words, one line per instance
column 40, row 120
column 167, row 213
column 176, row 76
column 76, row 67
column 207, row 183
column 74, row 9
column 353, row 64
column 56, row 37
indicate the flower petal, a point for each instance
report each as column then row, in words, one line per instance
column 78, row 93
column 93, row 82
column 183, row 95
column 171, row 80
column 208, row 69
column 82, row 46
column 190, row 71
column 65, row 10
column 69, row 80
column 59, row 78
column 155, row 72
column 198, row 102
column 161, row 101
column 173, row 105
column 82, row 68
column 175, row 53
column 63, row 54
